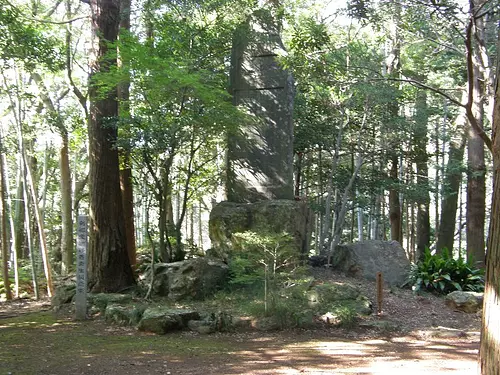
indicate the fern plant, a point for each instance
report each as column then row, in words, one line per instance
column 441, row 273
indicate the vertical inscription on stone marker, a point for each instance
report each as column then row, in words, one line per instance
column 81, row 269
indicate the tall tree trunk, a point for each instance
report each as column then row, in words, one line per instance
column 421, row 160
column 489, row 353
column 109, row 265
column 66, row 207
column 476, row 198
column 3, row 209
column 451, row 187
column 393, row 67
column 126, row 180
column 476, row 172
column 19, row 215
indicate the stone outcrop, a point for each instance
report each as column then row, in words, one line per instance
column 192, row 278
column 124, row 315
column 260, row 152
column 161, row 320
column 469, row 302
column 335, row 296
column 277, row 216
column 365, row 259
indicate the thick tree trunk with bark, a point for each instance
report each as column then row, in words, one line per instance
column 109, row 265
column 476, row 176
column 450, row 193
column 126, row 163
column 489, row 353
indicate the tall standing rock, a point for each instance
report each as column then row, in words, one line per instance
column 260, row 152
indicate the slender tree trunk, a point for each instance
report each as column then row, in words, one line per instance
column 64, row 180
column 66, row 208
column 421, row 160
column 393, row 67
column 394, row 206
column 4, row 218
column 19, row 215
column 109, row 265
column 29, row 237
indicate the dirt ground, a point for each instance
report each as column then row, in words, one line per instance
column 414, row 335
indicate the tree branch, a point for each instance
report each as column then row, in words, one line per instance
column 470, row 82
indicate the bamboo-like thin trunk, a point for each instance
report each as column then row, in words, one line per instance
column 3, row 211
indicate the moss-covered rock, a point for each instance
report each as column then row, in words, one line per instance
column 161, row 320
column 124, row 314
column 190, row 279
column 63, row 294
column 102, row 300
column 276, row 216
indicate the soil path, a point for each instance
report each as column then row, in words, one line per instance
column 419, row 335
column 41, row 343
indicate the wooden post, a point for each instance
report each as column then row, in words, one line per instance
column 81, row 269
column 380, row 284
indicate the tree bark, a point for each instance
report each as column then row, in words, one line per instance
column 489, row 353
column 109, row 265
column 126, row 180
column 394, row 206
column 451, row 189
column 476, row 195
column 476, row 177
column 3, row 209
column 421, row 160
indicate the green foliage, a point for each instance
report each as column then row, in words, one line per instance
column 263, row 255
column 24, row 41
column 441, row 273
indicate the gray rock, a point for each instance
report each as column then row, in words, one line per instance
column 162, row 320
column 63, row 294
column 124, row 315
column 277, row 216
column 469, row 302
column 192, row 278
column 365, row 259
column 201, row 326
column 101, row 300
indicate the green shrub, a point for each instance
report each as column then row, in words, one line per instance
column 441, row 273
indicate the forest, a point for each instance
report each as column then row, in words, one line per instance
column 128, row 112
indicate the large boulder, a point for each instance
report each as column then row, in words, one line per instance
column 276, row 216
column 192, row 278
column 365, row 259
column 469, row 302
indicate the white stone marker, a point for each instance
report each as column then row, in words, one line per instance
column 81, row 268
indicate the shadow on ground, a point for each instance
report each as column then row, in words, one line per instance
column 41, row 343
